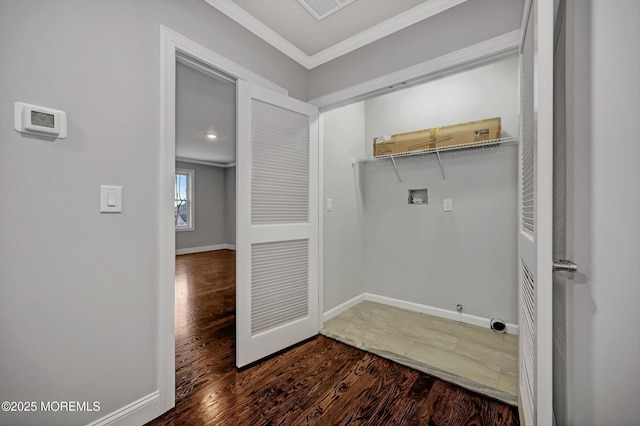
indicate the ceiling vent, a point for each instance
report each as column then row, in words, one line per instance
column 320, row 9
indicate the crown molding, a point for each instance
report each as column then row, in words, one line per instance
column 383, row 29
column 248, row 21
column 205, row 162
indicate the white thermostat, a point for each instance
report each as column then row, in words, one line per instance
column 41, row 121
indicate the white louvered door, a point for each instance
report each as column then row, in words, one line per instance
column 535, row 237
column 277, row 222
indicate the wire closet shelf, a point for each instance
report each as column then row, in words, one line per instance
column 471, row 145
column 462, row 147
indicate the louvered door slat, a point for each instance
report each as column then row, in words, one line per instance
column 527, row 289
column 527, row 221
column 280, row 165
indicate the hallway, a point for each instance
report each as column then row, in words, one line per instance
column 320, row 381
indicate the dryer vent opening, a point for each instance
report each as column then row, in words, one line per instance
column 498, row 325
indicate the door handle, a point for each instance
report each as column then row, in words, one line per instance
column 565, row 265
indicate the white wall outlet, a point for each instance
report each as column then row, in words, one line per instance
column 110, row 199
column 448, row 205
column 329, row 204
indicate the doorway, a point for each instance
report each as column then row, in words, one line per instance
column 420, row 280
column 204, row 212
column 176, row 48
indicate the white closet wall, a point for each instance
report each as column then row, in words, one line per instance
column 420, row 253
column 344, row 131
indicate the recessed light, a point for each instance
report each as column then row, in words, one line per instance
column 211, row 136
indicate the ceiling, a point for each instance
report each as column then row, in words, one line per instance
column 205, row 105
column 287, row 25
column 290, row 20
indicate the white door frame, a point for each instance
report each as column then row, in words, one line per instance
column 170, row 44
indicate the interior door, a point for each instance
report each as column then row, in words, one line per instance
column 535, row 229
column 277, row 222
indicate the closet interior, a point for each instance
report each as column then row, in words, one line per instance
column 420, row 249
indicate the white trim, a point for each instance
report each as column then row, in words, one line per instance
column 481, row 53
column 216, row 61
column 320, row 220
column 416, row 307
column 166, row 230
column 383, row 29
column 171, row 43
column 343, row 307
column 438, row 312
column 205, row 162
column 201, row 249
column 190, row 62
column 248, row 21
column 137, row 412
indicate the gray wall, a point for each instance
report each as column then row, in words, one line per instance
column 79, row 289
column 210, row 205
column 603, row 342
column 420, row 253
column 344, row 252
column 459, row 27
column 230, row 206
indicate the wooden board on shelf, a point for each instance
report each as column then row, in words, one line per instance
column 456, row 134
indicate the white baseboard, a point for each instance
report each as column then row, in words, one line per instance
column 138, row 412
column 191, row 250
column 343, row 307
column 438, row 312
column 416, row 307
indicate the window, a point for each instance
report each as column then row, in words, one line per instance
column 183, row 200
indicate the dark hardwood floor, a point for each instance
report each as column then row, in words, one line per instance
column 319, row 382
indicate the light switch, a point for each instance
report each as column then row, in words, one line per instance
column 329, row 204
column 448, row 205
column 110, row 199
